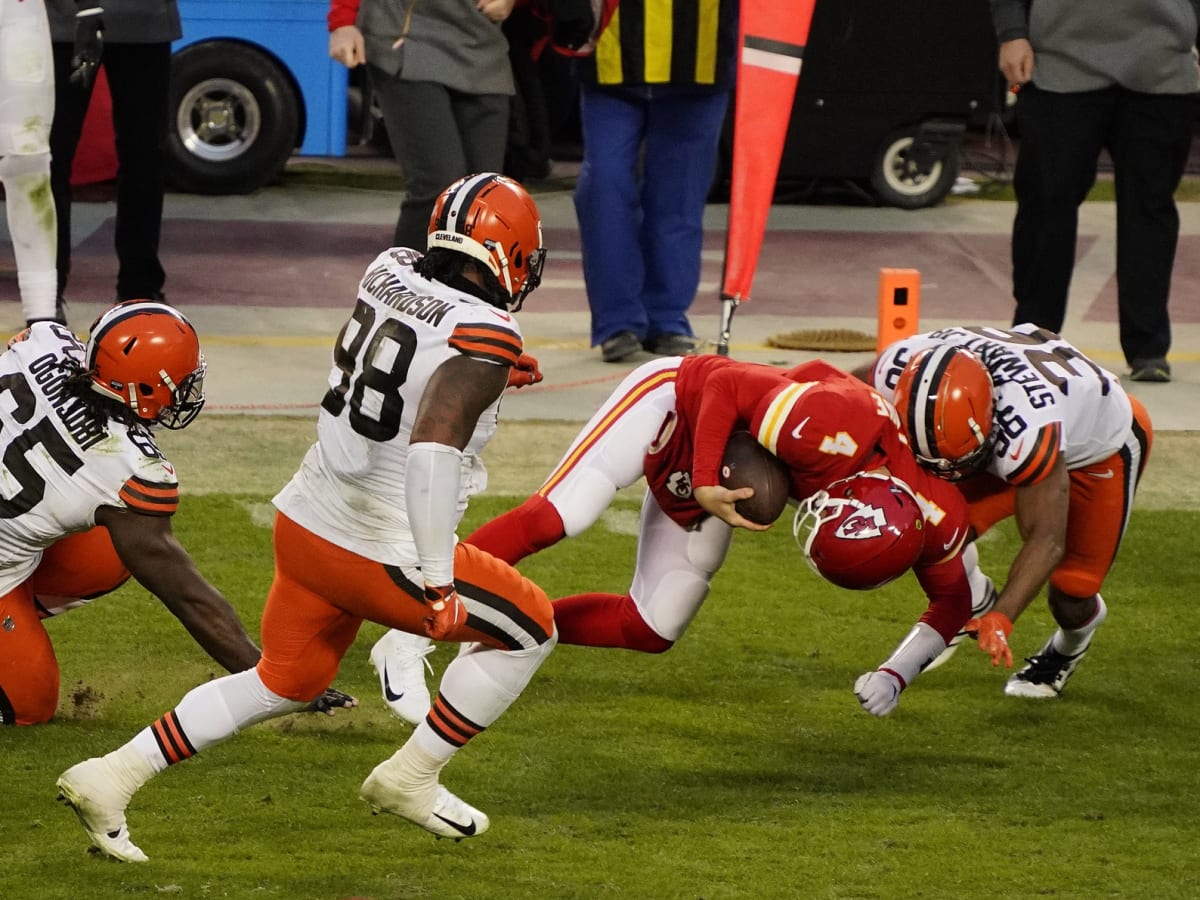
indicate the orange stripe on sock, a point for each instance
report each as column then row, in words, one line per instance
column 443, row 719
column 165, row 745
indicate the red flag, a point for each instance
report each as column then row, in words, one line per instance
column 770, row 49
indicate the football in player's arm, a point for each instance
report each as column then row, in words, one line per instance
column 670, row 421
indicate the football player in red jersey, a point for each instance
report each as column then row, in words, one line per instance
column 670, row 420
column 89, row 495
column 365, row 530
column 1035, row 429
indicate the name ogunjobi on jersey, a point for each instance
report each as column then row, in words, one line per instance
column 51, row 372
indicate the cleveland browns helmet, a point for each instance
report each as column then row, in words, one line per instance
column 944, row 396
column 861, row 532
column 146, row 356
column 493, row 219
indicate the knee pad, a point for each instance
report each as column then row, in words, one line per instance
column 14, row 165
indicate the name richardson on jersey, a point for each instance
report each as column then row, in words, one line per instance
column 382, row 284
column 83, row 424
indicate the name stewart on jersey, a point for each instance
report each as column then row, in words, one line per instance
column 1006, row 365
column 83, row 424
column 382, row 284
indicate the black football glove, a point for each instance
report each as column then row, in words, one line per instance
column 332, row 700
column 89, row 44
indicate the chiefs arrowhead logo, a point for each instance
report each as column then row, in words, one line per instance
column 680, row 484
column 867, row 522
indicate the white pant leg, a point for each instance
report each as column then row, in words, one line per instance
column 26, row 113
column 609, row 453
column 675, row 568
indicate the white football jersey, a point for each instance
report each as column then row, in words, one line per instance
column 350, row 487
column 1050, row 399
column 60, row 460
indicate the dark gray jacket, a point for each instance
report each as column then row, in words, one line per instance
column 1142, row 45
column 449, row 42
column 125, row 21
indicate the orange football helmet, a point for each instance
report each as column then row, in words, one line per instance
column 944, row 396
column 861, row 532
column 493, row 219
column 146, row 356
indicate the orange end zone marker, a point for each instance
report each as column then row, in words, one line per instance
column 899, row 305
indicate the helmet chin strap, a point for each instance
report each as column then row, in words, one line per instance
column 133, row 397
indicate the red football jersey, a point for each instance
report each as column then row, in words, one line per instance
column 826, row 425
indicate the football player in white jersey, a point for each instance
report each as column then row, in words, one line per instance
column 86, row 498
column 365, row 530
column 26, row 112
column 1037, row 430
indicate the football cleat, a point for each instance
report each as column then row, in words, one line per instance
column 400, row 659
column 426, row 804
column 989, row 600
column 90, row 788
column 1046, row 674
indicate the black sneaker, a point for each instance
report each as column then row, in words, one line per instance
column 672, row 345
column 620, row 346
column 1045, row 675
column 1156, row 370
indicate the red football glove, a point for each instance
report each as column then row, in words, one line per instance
column 525, row 372
column 447, row 609
column 992, row 630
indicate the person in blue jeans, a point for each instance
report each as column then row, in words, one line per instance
column 653, row 99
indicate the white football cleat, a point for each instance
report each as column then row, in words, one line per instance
column 90, row 788
column 400, row 660
column 429, row 805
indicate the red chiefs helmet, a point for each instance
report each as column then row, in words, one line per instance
column 861, row 532
column 493, row 219
column 944, row 396
column 146, row 356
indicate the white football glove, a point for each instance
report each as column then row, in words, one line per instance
column 878, row 692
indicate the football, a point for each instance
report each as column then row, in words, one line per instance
column 747, row 463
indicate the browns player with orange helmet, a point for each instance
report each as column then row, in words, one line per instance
column 1028, row 426
column 92, row 495
column 365, row 529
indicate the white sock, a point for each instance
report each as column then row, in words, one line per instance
column 1074, row 641
column 209, row 714
column 480, row 685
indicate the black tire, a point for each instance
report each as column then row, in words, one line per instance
column 234, row 119
column 897, row 177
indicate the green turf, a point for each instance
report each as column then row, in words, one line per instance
column 738, row 765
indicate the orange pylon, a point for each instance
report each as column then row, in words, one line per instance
column 899, row 305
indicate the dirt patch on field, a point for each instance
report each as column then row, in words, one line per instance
column 258, row 454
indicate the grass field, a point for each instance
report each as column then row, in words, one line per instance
column 738, row 765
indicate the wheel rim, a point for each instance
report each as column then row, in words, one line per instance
column 218, row 119
column 900, row 171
